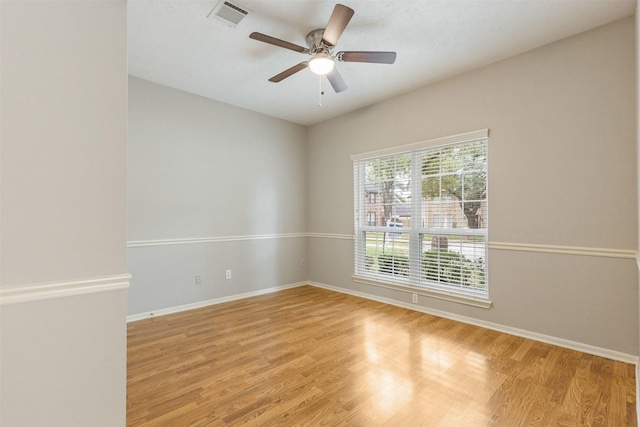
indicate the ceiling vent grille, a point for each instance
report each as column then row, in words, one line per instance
column 228, row 13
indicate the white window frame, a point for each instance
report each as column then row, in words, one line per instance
column 474, row 297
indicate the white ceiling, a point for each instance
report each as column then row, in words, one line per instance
column 174, row 43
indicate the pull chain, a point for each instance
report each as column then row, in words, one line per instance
column 321, row 92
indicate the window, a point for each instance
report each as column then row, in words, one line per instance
column 371, row 218
column 439, row 190
column 436, row 220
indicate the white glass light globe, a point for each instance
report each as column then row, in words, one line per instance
column 321, row 64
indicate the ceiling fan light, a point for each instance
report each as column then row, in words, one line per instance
column 321, row 64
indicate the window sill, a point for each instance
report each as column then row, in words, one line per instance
column 447, row 296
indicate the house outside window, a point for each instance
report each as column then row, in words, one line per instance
column 431, row 233
column 371, row 218
column 373, row 208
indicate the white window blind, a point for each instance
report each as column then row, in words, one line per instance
column 432, row 215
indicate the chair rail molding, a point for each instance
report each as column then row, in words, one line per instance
column 566, row 250
column 15, row 294
column 214, row 239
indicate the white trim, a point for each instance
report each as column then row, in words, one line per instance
column 62, row 288
column 206, row 303
column 560, row 342
column 447, row 296
column 194, row 240
column 331, row 236
column 453, row 139
column 568, row 250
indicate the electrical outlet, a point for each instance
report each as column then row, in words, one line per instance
column 414, row 298
column 198, row 279
column 227, row 274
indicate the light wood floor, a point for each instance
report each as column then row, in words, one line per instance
column 307, row 356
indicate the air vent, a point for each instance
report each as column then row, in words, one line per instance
column 228, row 13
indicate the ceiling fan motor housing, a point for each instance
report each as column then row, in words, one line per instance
column 314, row 41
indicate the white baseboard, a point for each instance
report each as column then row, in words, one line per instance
column 30, row 292
column 200, row 304
column 560, row 342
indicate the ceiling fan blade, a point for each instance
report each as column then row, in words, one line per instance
column 336, row 80
column 288, row 72
column 277, row 42
column 337, row 23
column 375, row 57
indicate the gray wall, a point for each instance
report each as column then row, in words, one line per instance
column 201, row 169
column 562, row 172
column 63, row 198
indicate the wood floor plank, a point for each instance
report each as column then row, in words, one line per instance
column 308, row 356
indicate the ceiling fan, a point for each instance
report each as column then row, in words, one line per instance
column 321, row 43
